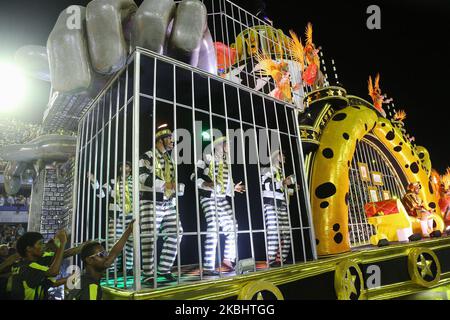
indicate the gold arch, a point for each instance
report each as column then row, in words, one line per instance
column 330, row 181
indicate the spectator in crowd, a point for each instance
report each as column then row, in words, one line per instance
column 20, row 230
column 96, row 261
column 20, row 202
column 3, row 252
column 10, row 201
column 2, row 200
column 28, row 275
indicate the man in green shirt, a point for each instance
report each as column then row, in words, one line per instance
column 29, row 275
column 96, row 261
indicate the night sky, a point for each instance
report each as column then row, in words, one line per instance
column 411, row 52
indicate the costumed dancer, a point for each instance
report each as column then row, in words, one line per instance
column 275, row 192
column 414, row 206
column 159, row 215
column 122, row 195
column 214, row 184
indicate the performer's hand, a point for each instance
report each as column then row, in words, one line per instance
column 90, row 177
column 61, row 235
column 239, row 188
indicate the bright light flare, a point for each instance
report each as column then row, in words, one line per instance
column 12, row 87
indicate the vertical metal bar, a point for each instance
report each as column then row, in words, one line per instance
column 361, row 199
column 91, row 137
column 259, row 176
column 175, row 159
column 124, row 183
column 245, row 177
column 286, row 193
column 213, row 162
column 135, row 163
column 116, row 147
column 352, row 207
column 94, row 198
column 305, row 187
column 363, row 216
column 100, row 179
column 107, row 193
column 196, row 178
column 364, row 146
column 271, row 172
column 84, row 176
column 155, row 231
column 296, row 190
column 76, row 192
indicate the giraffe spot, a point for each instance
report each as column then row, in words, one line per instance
column 421, row 155
column 346, row 198
column 365, row 126
column 406, row 166
column 401, row 143
column 324, row 204
column 430, row 187
column 340, row 117
column 336, row 227
column 356, row 107
column 383, row 124
column 325, row 190
column 398, row 148
column 432, row 205
column 390, row 135
column 317, row 242
column 346, row 136
column 327, row 153
column 348, row 163
column 338, row 237
column 414, row 168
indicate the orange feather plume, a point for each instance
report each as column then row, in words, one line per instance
column 400, row 115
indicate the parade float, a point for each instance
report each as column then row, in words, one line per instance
column 210, row 65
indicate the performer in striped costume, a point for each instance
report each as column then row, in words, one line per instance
column 159, row 215
column 275, row 192
column 214, row 184
column 120, row 206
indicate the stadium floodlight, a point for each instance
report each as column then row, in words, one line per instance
column 12, row 87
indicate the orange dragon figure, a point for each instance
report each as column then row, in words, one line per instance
column 279, row 72
column 307, row 56
column 375, row 93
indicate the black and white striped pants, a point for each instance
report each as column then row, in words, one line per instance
column 277, row 224
column 112, row 239
column 218, row 213
column 166, row 223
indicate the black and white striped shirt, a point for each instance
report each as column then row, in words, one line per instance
column 272, row 183
column 224, row 186
column 114, row 191
column 146, row 174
